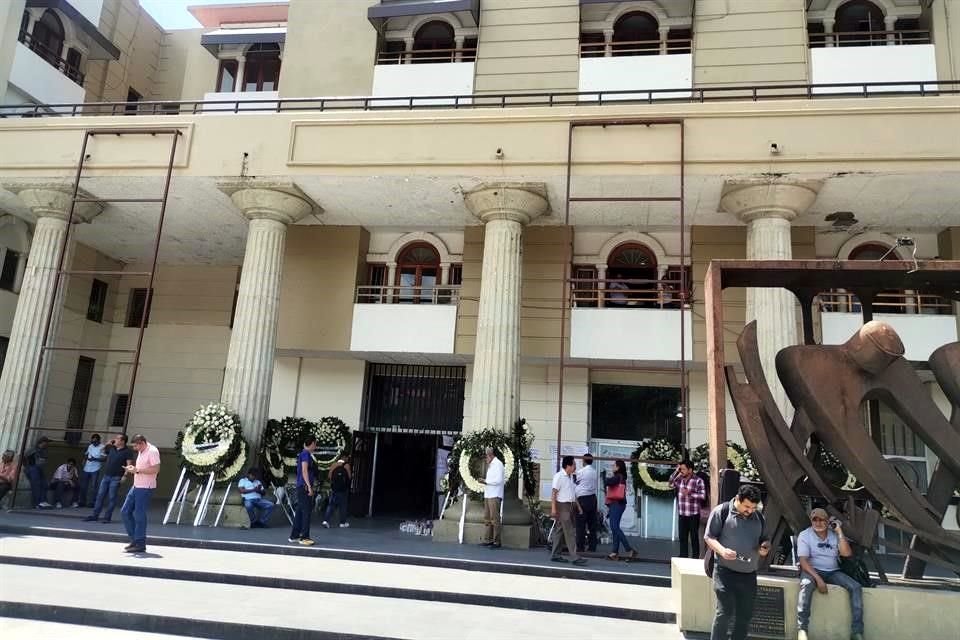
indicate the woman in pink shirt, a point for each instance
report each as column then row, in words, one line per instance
column 134, row 510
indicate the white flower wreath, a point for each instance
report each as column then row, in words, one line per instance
column 233, row 470
column 215, row 418
column 467, row 476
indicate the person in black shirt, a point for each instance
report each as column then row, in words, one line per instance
column 118, row 457
column 339, row 475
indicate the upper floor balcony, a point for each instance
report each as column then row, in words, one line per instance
column 405, row 318
column 630, row 319
column 924, row 322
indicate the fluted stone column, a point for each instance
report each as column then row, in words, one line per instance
column 269, row 205
column 50, row 203
column 768, row 207
column 505, row 208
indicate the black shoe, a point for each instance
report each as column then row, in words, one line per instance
column 580, row 561
column 494, row 545
column 137, row 548
column 130, row 547
column 254, row 525
column 558, row 559
column 106, row 521
column 90, row 519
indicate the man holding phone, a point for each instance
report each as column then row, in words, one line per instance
column 819, row 548
column 134, row 510
column 735, row 534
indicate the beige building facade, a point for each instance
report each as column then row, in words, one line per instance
column 381, row 260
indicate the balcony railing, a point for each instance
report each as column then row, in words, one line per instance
column 868, row 38
column 427, row 56
column 402, row 294
column 634, row 48
column 52, row 58
column 627, row 293
column 886, row 302
column 754, row 93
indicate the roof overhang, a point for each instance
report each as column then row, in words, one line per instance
column 265, row 35
column 467, row 10
column 100, row 46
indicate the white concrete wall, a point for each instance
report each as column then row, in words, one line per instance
column 34, row 76
column 441, row 79
column 630, row 334
column 921, row 334
column 417, row 328
column 873, row 64
column 625, row 73
column 315, row 387
column 241, row 95
column 90, row 9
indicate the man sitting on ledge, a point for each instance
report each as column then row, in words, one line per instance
column 819, row 549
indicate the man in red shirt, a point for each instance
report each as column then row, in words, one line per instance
column 690, row 493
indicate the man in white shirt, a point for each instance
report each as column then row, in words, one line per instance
column 93, row 459
column 563, row 506
column 492, row 499
column 586, row 480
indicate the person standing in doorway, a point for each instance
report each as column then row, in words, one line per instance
column 306, row 476
column 735, row 535
column 493, row 484
column 134, row 509
column 690, row 494
column 586, row 480
column 563, row 508
column 118, row 457
column 339, row 476
column 90, row 473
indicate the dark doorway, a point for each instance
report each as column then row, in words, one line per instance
column 405, row 475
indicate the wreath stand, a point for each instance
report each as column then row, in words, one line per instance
column 201, row 501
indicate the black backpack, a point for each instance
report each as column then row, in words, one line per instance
column 340, row 481
column 709, row 558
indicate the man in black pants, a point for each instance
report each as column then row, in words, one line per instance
column 690, row 494
column 306, row 476
column 586, row 481
column 735, row 535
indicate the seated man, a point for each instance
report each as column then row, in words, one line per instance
column 65, row 478
column 819, row 548
column 251, row 490
column 8, row 473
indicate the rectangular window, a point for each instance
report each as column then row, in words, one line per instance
column 81, row 396
column 4, row 343
column 8, row 273
column 227, row 78
column 456, row 274
column 584, row 287
column 138, row 307
column 592, row 45
column 120, row 402
column 372, row 292
column 98, row 300
column 414, row 398
column 621, row 412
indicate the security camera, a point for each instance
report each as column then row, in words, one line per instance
column 775, row 148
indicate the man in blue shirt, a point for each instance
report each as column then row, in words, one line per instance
column 819, row 549
column 251, row 490
column 306, row 476
column 118, row 457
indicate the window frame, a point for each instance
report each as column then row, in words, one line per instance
column 10, row 257
column 97, row 301
column 134, row 323
column 220, row 70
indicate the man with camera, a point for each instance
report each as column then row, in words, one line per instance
column 819, row 548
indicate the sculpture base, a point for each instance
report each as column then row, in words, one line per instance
column 515, row 533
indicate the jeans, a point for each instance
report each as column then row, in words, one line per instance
column 616, row 515
column 87, row 479
column 134, row 512
column 38, row 485
column 108, row 489
column 587, row 524
column 59, row 486
column 338, row 502
column 301, row 519
column 808, row 585
column 735, row 593
column 689, row 528
column 265, row 506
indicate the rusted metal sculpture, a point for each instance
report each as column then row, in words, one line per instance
column 828, row 385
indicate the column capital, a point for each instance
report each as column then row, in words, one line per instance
column 276, row 199
column 517, row 201
column 753, row 199
column 51, row 199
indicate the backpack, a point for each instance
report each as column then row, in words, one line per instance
column 340, row 481
column 709, row 558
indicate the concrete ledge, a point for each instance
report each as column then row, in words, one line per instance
column 512, row 536
column 890, row 613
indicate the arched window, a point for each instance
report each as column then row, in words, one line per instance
column 48, row 37
column 262, row 71
column 627, row 264
column 857, row 17
column 434, row 42
column 418, row 273
column 636, row 34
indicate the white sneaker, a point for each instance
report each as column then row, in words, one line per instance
column 325, row 524
column 344, row 525
column 59, row 506
column 75, row 505
column 293, row 539
column 44, row 505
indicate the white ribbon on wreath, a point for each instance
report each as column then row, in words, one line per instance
column 509, row 462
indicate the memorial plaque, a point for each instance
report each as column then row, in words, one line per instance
column 768, row 613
